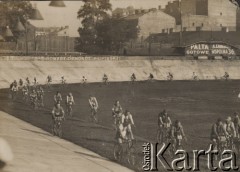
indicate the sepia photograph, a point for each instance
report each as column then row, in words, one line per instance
column 119, row 85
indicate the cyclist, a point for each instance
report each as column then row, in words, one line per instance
column 25, row 92
column 230, row 128
column 40, row 94
column 226, row 76
column 57, row 114
column 128, row 122
column 15, row 83
column 121, row 133
column 94, row 107
column 35, row 81
column 27, row 82
column 20, row 83
column 177, row 133
column 133, row 77
column 170, row 76
column 69, row 102
column 57, row 97
column 33, row 98
column 151, row 77
column 84, row 80
column 236, row 122
column 218, row 133
column 194, row 76
column 49, row 80
column 14, row 90
column 63, row 80
column 105, row 78
column 116, row 111
column 164, row 123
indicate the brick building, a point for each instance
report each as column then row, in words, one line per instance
column 206, row 15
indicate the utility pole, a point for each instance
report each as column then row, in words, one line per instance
column 181, row 27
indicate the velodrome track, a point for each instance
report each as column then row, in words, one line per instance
column 197, row 103
column 118, row 69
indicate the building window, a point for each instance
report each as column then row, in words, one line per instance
column 202, row 24
column 221, row 14
column 193, row 24
column 221, row 25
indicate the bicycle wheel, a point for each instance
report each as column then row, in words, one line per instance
column 59, row 130
column 132, row 156
column 117, row 152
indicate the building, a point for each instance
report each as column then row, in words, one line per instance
column 208, row 15
column 152, row 21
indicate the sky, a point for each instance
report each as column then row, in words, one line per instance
column 67, row 16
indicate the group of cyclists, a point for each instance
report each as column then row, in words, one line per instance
column 226, row 133
column 123, row 122
column 30, row 94
column 169, row 132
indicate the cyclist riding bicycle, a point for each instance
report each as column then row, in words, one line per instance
column 25, row 92
column 14, row 90
column 40, row 94
column 69, row 102
column 57, row 97
column 57, row 113
column 63, row 80
column 226, row 76
column 230, row 128
column 70, row 99
column 218, row 134
column 128, row 122
column 194, row 76
column 27, row 82
column 20, row 82
column 236, row 122
column 164, row 124
column 93, row 106
column 121, row 133
column 151, row 77
column 33, row 98
column 84, row 80
column 116, row 111
column 177, row 133
column 105, row 78
column 133, row 77
column 170, row 76
column 49, row 80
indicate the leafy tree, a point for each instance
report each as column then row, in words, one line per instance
column 11, row 11
column 92, row 13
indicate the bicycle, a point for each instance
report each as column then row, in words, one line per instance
column 126, row 148
column 176, row 144
column 69, row 109
column 93, row 116
column 57, row 126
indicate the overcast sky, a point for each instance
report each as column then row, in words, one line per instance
column 67, row 16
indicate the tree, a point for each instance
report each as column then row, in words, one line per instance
column 92, row 13
column 115, row 32
column 11, row 11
